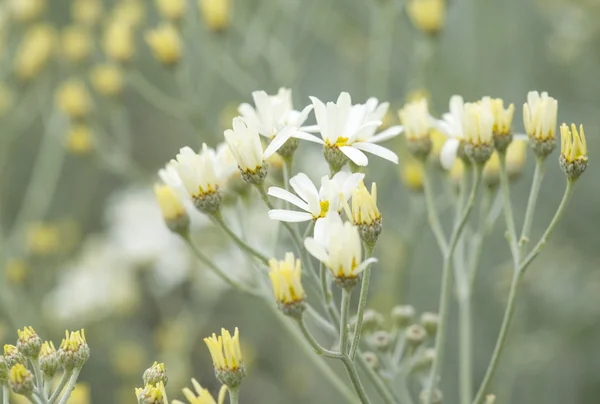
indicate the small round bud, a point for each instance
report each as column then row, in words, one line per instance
column 372, row 320
column 289, row 147
column 3, row 370
column 256, row 177
column 155, row 375
column 478, row 154
column 380, row 340
column 74, row 350
column 403, row 315
column 208, row 202
column 430, row 322
column 435, row 399
column 425, row 360
column 335, row 158
column 151, row 394
column 419, row 148
column 49, row 359
column 371, row 359
column 21, row 380
column 12, row 356
column 29, row 343
column 415, row 334
column 369, row 232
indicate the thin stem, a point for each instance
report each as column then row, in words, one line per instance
column 63, row 381
column 508, row 215
column 234, row 395
column 434, row 220
column 156, row 97
column 353, row 374
column 241, row 243
column 5, row 394
column 325, row 290
column 344, row 309
column 512, row 296
column 319, row 349
column 531, row 204
column 445, row 296
column 379, row 384
column 362, row 303
column 465, row 350
column 70, row 386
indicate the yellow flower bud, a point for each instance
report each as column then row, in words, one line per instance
column 172, row 10
column 21, row 380
column 43, row 238
column 573, row 152
column 227, row 357
column 74, row 350
column 215, row 13
column 86, row 12
column 76, row 43
column 35, row 50
column 412, row 174
column 107, row 79
column 24, row 11
column 286, row 277
column 165, row 44
column 73, row 99
column 427, row 15
column 118, row 41
column 80, row 139
column 173, row 210
column 130, row 12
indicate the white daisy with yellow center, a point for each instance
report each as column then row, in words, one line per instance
column 540, row 116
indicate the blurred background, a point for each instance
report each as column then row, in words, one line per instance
column 94, row 100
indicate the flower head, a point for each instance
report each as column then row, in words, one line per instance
column 73, row 99
column 107, row 79
column 29, row 343
column 227, row 357
column 118, row 41
column 172, row 10
column 215, row 13
column 502, row 116
column 165, row 44
column 74, row 350
column 12, row 356
column 156, row 374
column 86, row 12
column 80, row 139
column 244, row 142
column 286, row 277
column 201, row 395
column 35, row 50
column 76, row 43
column 365, row 214
column 21, row 380
column 573, row 155
column 540, row 116
column 151, row 394
column 417, row 125
column 48, row 359
column 172, row 208
column 427, row 15
column 478, row 122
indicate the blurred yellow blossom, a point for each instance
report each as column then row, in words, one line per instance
column 107, row 79
column 81, row 394
column 86, row 12
column 80, row 139
column 225, row 350
column 26, row 10
column 215, row 13
column 16, row 271
column 118, row 41
column 35, row 50
column 130, row 12
column 165, row 44
column 128, row 358
column 73, row 99
column 43, row 238
column 412, row 174
column 417, row 95
column 201, row 395
column 427, row 15
column 76, row 43
column 172, row 10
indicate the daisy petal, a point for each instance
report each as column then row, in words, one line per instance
column 316, row 250
column 306, row 190
column 389, row 133
column 287, row 196
column 311, row 128
column 357, row 157
column 278, row 141
column 448, row 153
column 365, row 264
column 377, row 150
column 289, row 215
column 299, row 134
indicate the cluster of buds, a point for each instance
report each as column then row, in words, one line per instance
column 74, row 350
column 227, row 357
column 286, row 277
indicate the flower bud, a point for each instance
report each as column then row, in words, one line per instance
column 107, row 80
column 573, row 157
column 35, row 51
column 21, row 380
column 86, row 12
column 29, row 343
column 215, row 13
column 151, row 394
column 80, row 139
column 412, row 174
column 436, row 396
column 371, row 359
column 227, row 357
column 118, row 41
column 165, row 44
column 49, row 359
column 174, row 213
column 12, row 356
column 286, row 277
column 430, row 322
column 403, row 315
column 3, row 371
column 415, row 334
column 172, row 10
column 156, row 374
column 365, row 214
column 77, row 44
column 73, row 99
column 428, row 16
column 380, row 340
column 540, row 116
column 425, row 360
column 74, row 350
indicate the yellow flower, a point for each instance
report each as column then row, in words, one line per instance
column 27, row 10
column 118, row 41
column 202, row 395
column 364, row 205
column 416, row 120
column 81, row 394
column 412, row 174
column 43, row 238
column 76, row 43
column 151, row 394
column 170, row 204
column 286, row 277
column 86, row 12
column 5, row 99
column 80, row 139
column 165, row 44
column 172, row 10
column 225, row 350
column 502, row 117
column 35, row 50
column 573, row 144
column 540, row 115
column 47, row 349
column 515, row 157
column 215, row 13
column 478, row 122
column 16, row 271
column 427, row 15
column 129, row 12
column 73, row 99
column 107, row 79
column 21, row 380
column 73, row 341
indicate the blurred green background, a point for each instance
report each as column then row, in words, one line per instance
column 83, row 244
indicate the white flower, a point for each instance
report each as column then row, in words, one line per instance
column 198, row 174
column 275, row 118
column 478, row 123
column 540, row 115
column 351, row 128
column 245, row 145
column 416, row 121
column 316, row 204
column 226, row 162
column 338, row 247
column 451, row 125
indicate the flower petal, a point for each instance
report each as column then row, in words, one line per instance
column 316, row 250
column 357, row 157
column 278, row 141
column 288, row 196
column 365, row 264
column 448, row 153
column 306, row 190
column 389, row 133
column 377, row 150
column 289, row 215
column 310, row 128
column 299, row 134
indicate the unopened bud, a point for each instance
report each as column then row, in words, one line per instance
column 49, row 359
column 371, row 359
column 335, row 158
column 21, row 380
column 403, row 315
column 415, row 334
column 74, row 350
column 29, row 343
column 156, row 374
column 430, row 322
column 380, row 340
column 436, row 396
column 12, row 356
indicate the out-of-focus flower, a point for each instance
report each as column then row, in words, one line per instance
column 365, row 214
column 215, row 13
column 74, row 350
column 151, row 394
column 129, row 12
column 73, row 99
column 86, row 12
column 478, row 123
column 172, row 10
column 21, row 380
column 316, row 204
column 201, row 395
column 339, row 247
column 165, row 44
column 172, row 208
column 76, row 43
column 428, row 16
column 286, row 277
column 275, row 118
column 245, row 145
column 156, row 374
column 25, row 11
column 43, row 238
column 573, row 154
column 417, row 124
column 451, row 125
column 6, row 99
column 227, row 357
column 503, row 117
column 16, row 271
column 515, row 157
column 118, row 41
column 412, row 174
column 540, row 116
column 35, row 50
column 107, row 79
column 80, row 139
column 81, row 394
column 347, row 130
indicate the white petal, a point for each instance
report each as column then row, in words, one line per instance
column 303, row 115
column 288, row 196
column 320, row 231
column 520, row 136
column 448, row 153
column 307, row 136
column 289, row 215
column 365, row 264
column 306, row 190
column 377, row 150
column 311, row 128
column 357, row 157
column 389, row 133
column 278, row 141
column 316, row 250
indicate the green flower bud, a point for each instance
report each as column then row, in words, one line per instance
column 21, row 380
column 74, row 350
column 155, row 375
column 49, row 359
column 12, row 356
column 29, row 343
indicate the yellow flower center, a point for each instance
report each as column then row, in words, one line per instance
column 324, row 209
column 341, row 141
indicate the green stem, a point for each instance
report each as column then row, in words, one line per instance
column 325, row 290
column 379, row 384
column 156, row 97
column 362, row 303
column 465, row 350
column 70, row 386
column 508, row 215
column 240, row 243
column 512, row 296
column 446, row 292
column 63, row 381
column 319, row 349
column 234, row 395
column 531, row 204
column 5, row 394
column 344, row 309
column 353, row 374
column 434, row 220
